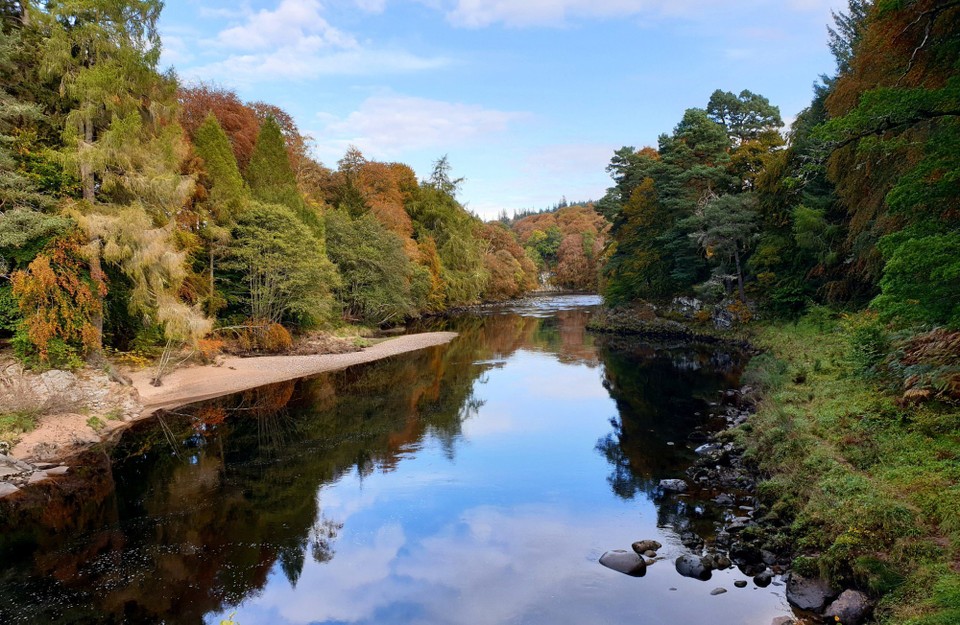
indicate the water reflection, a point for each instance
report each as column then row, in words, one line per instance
column 459, row 484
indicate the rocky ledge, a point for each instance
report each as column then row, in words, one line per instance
column 17, row 474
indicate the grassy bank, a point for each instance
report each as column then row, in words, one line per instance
column 865, row 487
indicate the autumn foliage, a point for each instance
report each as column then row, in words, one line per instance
column 59, row 299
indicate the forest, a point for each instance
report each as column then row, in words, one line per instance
column 140, row 214
column 855, row 205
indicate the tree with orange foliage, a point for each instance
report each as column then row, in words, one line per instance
column 237, row 119
column 59, row 300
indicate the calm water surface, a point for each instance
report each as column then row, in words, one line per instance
column 474, row 483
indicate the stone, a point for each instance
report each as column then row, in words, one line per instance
column 39, row 476
column 44, row 465
column 724, row 500
column 740, row 583
column 6, row 488
column 650, row 553
column 625, row 562
column 851, row 607
column 58, row 381
column 738, row 524
column 690, row 540
column 768, row 557
column 642, row 546
column 8, row 471
column 673, row 486
column 717, row 561
column 783, row 620
column 718, row 591
column 649, row 562
column 693, row 566
column 808, row 593
column 763, row 579
column 57, row 471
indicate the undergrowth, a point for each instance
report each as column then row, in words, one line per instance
column 869, row 484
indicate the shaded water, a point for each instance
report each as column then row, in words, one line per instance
column 474, row 483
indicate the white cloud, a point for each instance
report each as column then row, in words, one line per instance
column 480, row 13
column 386, row 126
column 294, row 41
column 296, row 22
column 371, row 6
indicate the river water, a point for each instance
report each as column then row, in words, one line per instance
column 469, row 484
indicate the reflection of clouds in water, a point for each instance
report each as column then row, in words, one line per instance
column 490, row 566
column 348, row 588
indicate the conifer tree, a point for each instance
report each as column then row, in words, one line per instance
column 271, row 178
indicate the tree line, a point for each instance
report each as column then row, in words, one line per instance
column 136, row 212
column 856, row 205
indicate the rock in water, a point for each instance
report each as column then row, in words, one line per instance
column 718, row 591
column 673, row 486
column 763, row 579
column 693, row 566
column 808, row 594
column 624, row 562
column 851, row 607
column 783, row 620
column 643, row 546
column 740, row 583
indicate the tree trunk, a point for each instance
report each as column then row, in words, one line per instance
column 86, row 171
column 736, row 257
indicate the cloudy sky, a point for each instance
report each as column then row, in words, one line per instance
column 529, row 98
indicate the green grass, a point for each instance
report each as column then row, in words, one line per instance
column 95, row 423
column 13, row 425
column 870, row 490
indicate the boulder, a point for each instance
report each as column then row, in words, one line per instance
column 643, row 546
column 693, row 566
column 625, row 562
column 851, row 607
column 673, row 486
column 808, row 593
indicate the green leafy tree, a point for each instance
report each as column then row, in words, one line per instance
column 725, row 228
column 276, row 268
column 376, row 273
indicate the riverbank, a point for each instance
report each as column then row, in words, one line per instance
column 233, row 375
column 864, row 487
column 59, row 436
column 856, row 471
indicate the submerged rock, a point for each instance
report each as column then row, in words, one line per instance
column 673, row 486
column 851, row 607
column 625, row 562
column 740, row 583
column 693, row 566
column 718, row 591
column 808, row 594
column 643, row 546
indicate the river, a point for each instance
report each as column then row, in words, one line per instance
column 468, row 484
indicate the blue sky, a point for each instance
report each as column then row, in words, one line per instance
column 529, row 98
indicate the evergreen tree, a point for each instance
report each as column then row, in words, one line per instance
column 271, row 178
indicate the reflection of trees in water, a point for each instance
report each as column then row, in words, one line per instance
column 199, row 530
column 658, row 389
column 193, row 515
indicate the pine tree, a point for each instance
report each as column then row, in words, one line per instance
column 271, row 178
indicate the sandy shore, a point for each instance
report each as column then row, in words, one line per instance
column 58, row 437
column 192, row 384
